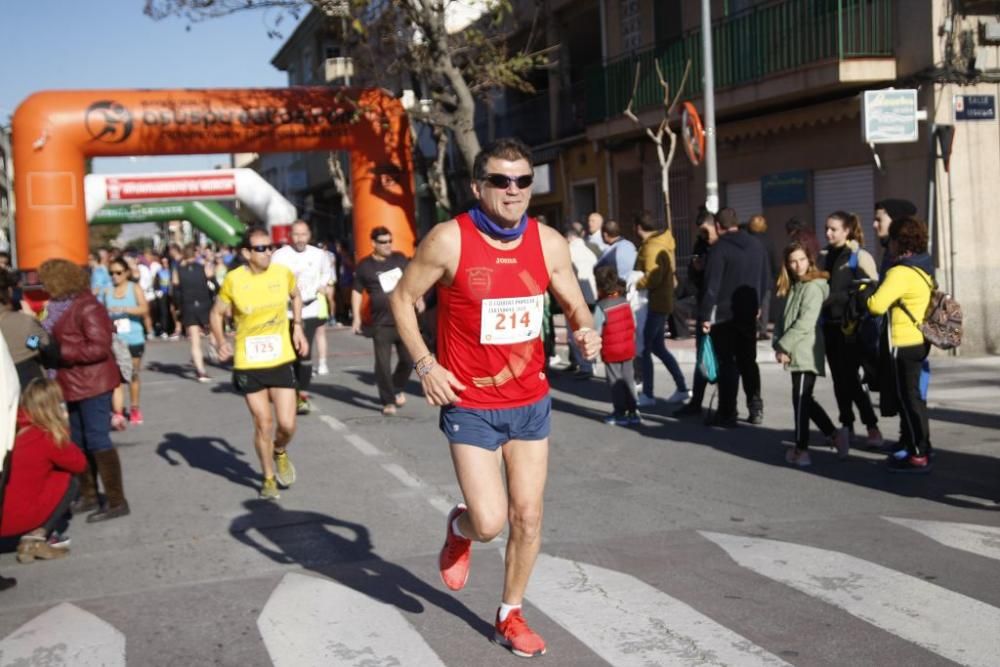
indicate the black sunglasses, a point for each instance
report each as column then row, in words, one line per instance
column 503, row 181
column 383, row 241
column 117, row 273
column 262, row 248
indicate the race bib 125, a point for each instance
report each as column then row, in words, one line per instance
column 263, row 348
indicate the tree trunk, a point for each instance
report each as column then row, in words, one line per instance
column 464, row 126
column 340, row 183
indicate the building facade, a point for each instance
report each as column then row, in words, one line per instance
column 789, row 80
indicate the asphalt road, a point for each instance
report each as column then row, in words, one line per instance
column 667, row 544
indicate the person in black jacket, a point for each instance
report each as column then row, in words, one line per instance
column 707, row 237
column 735, row 278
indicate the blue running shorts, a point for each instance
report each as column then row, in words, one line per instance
column 490, row 429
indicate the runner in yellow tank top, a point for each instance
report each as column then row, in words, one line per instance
column 256, row 296
column 259, row 302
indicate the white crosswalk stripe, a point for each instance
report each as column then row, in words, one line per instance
column 952, row 625
column 312, row 621
column 628, row 622
column 976, row 539
column 64, row 635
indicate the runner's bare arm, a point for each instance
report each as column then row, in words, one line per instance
column 566, row 289
column 216, row 319
column 436, row 259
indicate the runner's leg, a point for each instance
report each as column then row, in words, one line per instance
column 527, row 463
column 118, row 399
column 194, row 335
column 284, row 414
column 481, row 482
column 263, row 429
column 134, row 385
column 320, row 340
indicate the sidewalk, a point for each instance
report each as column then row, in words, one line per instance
column 958, row 384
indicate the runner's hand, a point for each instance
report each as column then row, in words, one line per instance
column 225, row 349
column 299, row 341
column 440, row 386
column 356, row 327
column 589, row 342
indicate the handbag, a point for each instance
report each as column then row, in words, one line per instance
column 122, row 357
column 708, row 365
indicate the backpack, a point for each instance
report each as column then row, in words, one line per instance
column 863, row 328
column 942, row 323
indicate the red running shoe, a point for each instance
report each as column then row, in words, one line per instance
column 455, row 554
column 515, row 634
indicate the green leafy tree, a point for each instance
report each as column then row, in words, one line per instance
column 103, row 236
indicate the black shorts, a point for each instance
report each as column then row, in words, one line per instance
column 136, row 351
column 196, row 314
column 252, row 380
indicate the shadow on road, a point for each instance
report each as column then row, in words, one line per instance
column 210, row 454
column 342, row 551
column 959, row 479
column 179, row 370
column 965, row 417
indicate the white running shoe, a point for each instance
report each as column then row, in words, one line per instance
column 679, row 396
column 322, row 368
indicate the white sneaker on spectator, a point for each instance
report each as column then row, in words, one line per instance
column 322, row 368
column 644, row 401
column 679, row 396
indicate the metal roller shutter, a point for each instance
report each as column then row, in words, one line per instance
column 852, row 190
column 745, row 198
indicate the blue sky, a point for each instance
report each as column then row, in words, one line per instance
column 79, row 44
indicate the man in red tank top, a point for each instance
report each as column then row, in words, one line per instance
column 492, row 267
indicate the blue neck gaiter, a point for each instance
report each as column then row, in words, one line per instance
column 487, row 226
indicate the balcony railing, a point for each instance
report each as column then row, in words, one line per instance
column 529, row 118
column 764, row 40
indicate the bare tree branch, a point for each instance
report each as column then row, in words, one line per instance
column 668, row 105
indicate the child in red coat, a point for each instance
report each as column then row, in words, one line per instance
column 41, row 484
column 614, row 319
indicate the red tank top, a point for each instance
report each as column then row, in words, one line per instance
column 508, row 287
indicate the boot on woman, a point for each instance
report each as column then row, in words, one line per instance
column 109, row 468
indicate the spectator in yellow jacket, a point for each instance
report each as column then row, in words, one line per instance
column 656, row 260
column 904, row 294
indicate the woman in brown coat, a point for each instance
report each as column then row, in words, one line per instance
column 87, row 374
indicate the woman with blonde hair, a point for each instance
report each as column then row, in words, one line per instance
column 41, row 486
column 798, row 343
column 87, row 374
column 846, row 260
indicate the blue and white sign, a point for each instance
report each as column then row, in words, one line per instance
column 890, row 116
column 975, row 107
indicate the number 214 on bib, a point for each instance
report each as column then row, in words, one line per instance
column 510, row 321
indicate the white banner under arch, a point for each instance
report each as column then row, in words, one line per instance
column 245, row 185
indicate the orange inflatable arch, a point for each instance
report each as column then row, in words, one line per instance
column 54, row 132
